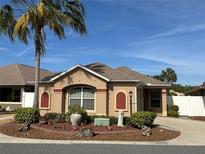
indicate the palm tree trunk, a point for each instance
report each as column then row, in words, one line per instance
column 37, row 77
column 37, row 69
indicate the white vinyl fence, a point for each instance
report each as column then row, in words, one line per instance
column 188, row 105
column 27, row 99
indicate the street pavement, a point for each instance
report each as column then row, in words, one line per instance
column 97, row 149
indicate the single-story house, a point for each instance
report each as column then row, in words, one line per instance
column 197, row 91
column 16, row 79
column 102, row 90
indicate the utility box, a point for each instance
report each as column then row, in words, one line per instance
column 120, row 118
column 101, row 122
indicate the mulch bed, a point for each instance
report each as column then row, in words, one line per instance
column 99, row 129
column 201, row 118
column 39, row 132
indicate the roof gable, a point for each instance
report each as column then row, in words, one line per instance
column 57, row 76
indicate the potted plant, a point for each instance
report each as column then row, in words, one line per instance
column 76, row 116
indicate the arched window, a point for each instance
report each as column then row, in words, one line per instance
column 44, row 100
column 82, row 96
column 120, row 101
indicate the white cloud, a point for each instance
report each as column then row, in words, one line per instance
column 178, row 31
column 3, row 49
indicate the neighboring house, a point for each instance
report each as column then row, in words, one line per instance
column 102, row 90
column 15, row 79
column 197, row 91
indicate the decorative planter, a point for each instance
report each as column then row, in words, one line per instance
column 75, row 119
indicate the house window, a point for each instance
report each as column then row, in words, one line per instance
column 155, row 97
column 121, row 100
column 45, row 100
column 82, row 96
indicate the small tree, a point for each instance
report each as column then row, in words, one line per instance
column 168, row 76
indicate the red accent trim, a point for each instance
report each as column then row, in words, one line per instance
column 101, row 90
column 57, row 90
column 120, row 101
column 44, row 99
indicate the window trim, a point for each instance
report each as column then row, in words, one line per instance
column 126, row 104
column 160, row 99
column 81, row 98
column 49, row 101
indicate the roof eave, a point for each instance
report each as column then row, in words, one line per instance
column 124, row 80
column 158, row 85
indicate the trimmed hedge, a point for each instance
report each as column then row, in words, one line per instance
column 27, row 115
column 142, row 118
column 173, row 114
column 173, row 108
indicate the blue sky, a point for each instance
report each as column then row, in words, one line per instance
column 145, row 35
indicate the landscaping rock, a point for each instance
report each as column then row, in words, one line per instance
column 146, row 131
column 24, row 127
column 85, row 132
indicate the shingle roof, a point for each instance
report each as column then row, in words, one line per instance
column 109, row 72
column 119, row 74
column 197, row 88
column 145, row 79
column 20, row 74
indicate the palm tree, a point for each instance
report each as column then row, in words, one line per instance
column 168, row 76
column 31, row 19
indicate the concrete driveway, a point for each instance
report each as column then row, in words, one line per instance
column 192, row 131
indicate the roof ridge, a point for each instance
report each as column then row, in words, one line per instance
column 19, row 70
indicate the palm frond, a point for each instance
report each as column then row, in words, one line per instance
column 21, row 28
column 7, row 20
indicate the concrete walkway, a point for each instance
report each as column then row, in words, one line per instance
column 6, row 118
column 192, row 133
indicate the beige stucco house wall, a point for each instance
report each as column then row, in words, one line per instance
column 105, row 93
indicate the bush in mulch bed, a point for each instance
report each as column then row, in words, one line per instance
column 142, row 118
column 27, row 115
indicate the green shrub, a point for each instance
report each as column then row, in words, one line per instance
column 173, row 114
column 78, row 109
column 142, row 118
column 57, row 117
column 127, row 121
column 50, row 116
column 173, row 108
column 27, row 115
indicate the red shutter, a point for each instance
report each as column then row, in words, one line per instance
column 44, row 99
column 120, row 101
